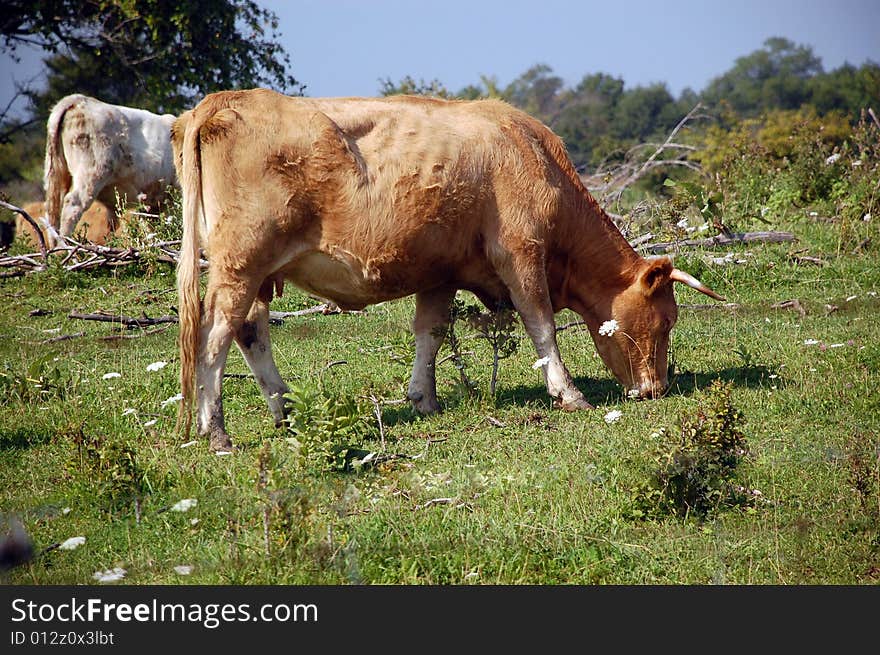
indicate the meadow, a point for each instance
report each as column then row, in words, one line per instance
column 499, row 489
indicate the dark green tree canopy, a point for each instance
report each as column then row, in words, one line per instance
column 157, row 55
column 773, row 77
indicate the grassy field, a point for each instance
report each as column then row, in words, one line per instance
column 503, row 490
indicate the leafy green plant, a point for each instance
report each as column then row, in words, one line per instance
column 42, row 381
column 709, row 203
column 324, row 426
column 696, row 467
column 109, row 468
column 496, row 327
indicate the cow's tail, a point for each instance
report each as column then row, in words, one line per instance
column 185, row 138
column 56, row 174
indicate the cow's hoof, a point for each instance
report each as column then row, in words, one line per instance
column 422, row 404
column 572, row 404
column 221, row 443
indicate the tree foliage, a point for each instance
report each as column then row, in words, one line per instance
column 160, row 56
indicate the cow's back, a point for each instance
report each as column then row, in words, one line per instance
column 386, row 196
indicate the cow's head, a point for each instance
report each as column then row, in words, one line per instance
column 634, row 342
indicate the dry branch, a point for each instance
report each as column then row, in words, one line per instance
column 720, row 240
column 29, row 219
column 78, row 256
column 129, row 321
column 611, row 183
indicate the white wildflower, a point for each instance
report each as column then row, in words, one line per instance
column 110, row 376
column 613, row 416
column 849, row 298
column 837, row 345
column 173, row 399
column 130, row 410
column 814, row 214
column 155, row 366
column 810, row 342
column 193, row 522
column 682, row 224
column 541, row 362
column 703, row 227
column 632, row 393
column 110, row 575
column 184, row 505
column 151, row 422
column 867, row 217
column 608, row 328
column 833, row 158
column 67, row 511
column 183, row 569
column 73, row 543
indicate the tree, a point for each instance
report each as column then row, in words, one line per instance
column 157, row 55
column 536, row 92
column 847, row 89
column 774, row 77
column 408, row 86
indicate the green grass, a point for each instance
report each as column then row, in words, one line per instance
column 531, row 495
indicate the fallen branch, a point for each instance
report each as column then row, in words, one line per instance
column 324, row 308
column 794, row 304
column 87, row 255
column 129, row 321
column 719, row 241
column 718, row 305
column 572, row 324
column 64, row 337
column 29, row 219
column 863, row 244
column 145, row 333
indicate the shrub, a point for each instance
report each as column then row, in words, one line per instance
column 324, row 427
column 695, row 468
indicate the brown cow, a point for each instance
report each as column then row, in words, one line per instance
column 361, row 200
column 97, row 223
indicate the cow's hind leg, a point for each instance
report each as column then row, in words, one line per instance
column 522, row 271
column 252, row 338
column 429, row 327
column 227, row 302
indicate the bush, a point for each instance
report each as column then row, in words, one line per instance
column 696, row 467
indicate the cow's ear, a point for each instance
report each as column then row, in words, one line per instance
column 656, row 275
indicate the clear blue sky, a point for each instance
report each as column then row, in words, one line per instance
column 344, row 47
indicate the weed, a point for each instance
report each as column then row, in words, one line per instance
column 696, row 468
column 109, row 469
column 324, row 426
column 42, row 381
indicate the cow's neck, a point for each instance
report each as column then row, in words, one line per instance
column 592, row 263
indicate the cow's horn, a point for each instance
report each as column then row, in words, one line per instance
column 694, row 283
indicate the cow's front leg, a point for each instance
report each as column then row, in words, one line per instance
column 527, row 284
column 429, row 327
column 252, row 338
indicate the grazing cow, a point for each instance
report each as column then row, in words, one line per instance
column 361, row 200
column 97, row 223
column 96, row 150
